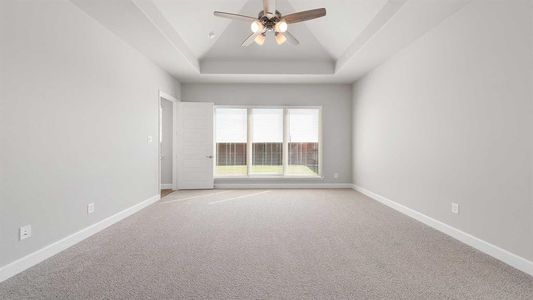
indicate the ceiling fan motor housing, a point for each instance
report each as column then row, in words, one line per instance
column 269, row 20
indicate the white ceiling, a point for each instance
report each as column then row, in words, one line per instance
column 326, row 37
column 354, row 36
column 194, row 20
column 345, row 20
column 229, row 42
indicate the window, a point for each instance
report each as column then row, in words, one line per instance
column 303, row 141
column 267, row 141
column 231, row 140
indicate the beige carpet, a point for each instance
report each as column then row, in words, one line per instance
column 290, row 244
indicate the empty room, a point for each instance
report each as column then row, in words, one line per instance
column 266, row 149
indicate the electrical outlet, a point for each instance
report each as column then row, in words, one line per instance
column 335, row 175
column 25, row 232
column 455, row 208
column 149, row 139
column 90, row 208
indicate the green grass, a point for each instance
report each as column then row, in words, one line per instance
column 263, row 170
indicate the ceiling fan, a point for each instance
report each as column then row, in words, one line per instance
column 269, row 19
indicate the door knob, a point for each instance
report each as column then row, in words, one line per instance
column 209, row 156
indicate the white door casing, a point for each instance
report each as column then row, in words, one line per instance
column 195, row 145
column 166, row 96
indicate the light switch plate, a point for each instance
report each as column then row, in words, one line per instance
column 25, row 232
column 455, row 208
column 149, row 139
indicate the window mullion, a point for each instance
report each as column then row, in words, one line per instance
column 320, row 141
column 249, row 142
column 285, row 149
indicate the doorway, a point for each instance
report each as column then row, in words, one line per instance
column 167, row 157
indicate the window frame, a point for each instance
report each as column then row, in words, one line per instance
column 285, row 142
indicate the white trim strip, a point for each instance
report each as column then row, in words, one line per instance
column 283, row 185
column 42, row 254
column 503, row 255
column 166, row 186
column 238, row 197
column 167, row 96
column 194, row 197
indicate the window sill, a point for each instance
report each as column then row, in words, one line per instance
column 269, row 177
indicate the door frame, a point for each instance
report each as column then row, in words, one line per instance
column 173, row 100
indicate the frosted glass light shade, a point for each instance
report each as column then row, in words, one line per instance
column 281, row 26
column 256, row 26
column 280, row 38
column 260, row 39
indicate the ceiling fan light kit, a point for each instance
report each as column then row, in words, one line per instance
column 281, row 26
column 260, row 39
column 280, row 38
column 257, row 26
column 270, row 19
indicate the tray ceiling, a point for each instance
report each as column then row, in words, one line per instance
column 352, row 38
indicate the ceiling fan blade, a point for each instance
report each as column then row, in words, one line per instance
column 305, row 15
column 291, row 39
column 250, row 39
column 233, row 16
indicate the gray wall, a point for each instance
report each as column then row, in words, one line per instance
column 336, row 117
column 77, row 105
column 166, row 143
column 450, row 119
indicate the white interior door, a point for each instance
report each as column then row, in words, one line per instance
column 195, row 145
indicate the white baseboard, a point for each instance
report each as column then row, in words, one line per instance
column 283, row 185
column 167, row 186
column 40, row 255
column 503, row 255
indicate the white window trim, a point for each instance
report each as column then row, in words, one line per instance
column 285, row 144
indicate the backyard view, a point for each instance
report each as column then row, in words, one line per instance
column 231, row 159
column 267, row 133
column 237, row 170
